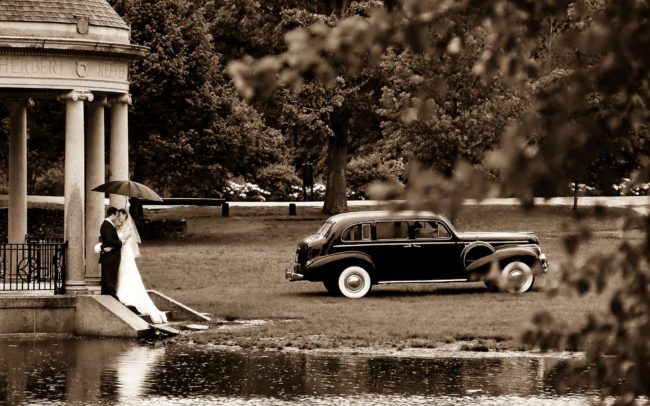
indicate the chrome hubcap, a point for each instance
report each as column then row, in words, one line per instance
column 353, row 283
column 516, row 277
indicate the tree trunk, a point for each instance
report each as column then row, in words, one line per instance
column 336, row 200
column 340, row 6
column 137, row 176
column 575, row 195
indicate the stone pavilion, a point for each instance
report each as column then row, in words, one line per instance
column 77, row 51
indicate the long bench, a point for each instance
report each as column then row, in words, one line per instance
column 183, row 201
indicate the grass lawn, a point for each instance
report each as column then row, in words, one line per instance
column 233, row 268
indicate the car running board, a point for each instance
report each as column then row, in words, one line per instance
column 424, row 281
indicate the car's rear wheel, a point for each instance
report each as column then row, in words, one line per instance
column 517, row 277
column 354, row 282
column 332, row 286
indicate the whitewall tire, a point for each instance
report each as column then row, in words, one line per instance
column 517, row 277
column 354, row 282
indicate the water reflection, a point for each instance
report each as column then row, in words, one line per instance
column 127, row 372
column 134, row 371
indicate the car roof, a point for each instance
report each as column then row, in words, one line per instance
column 371, row 215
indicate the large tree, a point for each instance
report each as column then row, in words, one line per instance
column 434, row 110
column 187, row 122
column 420, row 106
column 326, row 123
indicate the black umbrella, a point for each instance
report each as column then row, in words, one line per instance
column 128, row 188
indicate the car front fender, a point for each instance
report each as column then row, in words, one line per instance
column 504, row 253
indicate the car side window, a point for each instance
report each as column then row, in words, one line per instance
column 429, row 230
column 366, row 231
column 443, row 232
column 357, row 232
column 392, row 230
column 425, row 230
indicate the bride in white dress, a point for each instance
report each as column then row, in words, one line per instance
column 130, row 289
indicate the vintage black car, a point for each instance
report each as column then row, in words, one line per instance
column 353, row 251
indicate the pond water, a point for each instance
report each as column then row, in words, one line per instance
column 83, row 371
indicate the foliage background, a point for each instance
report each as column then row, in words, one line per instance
column 452, row 99
column 583, row 88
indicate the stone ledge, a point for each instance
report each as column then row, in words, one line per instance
column 104, row 316
column 43, row 302
column 81, row 315
column 30, row 319
column 178, row 311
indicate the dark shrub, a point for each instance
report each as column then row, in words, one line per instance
column 161, row 228
column 40, row 222
column 279, row 179
column 361, row 171
column 49, row 223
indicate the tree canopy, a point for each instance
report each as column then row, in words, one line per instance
column 418, row 82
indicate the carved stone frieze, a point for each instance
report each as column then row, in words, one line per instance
column 62, row 72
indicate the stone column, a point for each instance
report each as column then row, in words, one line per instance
column 95, row 176
column 17, row 214
column 119, row 155
column 73, row 212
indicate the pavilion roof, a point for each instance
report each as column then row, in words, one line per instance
column 98, row 12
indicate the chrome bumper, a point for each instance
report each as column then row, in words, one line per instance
column 544, row 262
column 291, row 275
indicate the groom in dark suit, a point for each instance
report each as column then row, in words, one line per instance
column 110, row 255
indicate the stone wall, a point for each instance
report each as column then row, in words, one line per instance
column 29, row 315
column 87, row 315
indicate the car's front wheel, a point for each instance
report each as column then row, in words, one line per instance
column 354, row 282
column 517, row 277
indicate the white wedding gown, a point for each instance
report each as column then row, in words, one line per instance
column 130, row 289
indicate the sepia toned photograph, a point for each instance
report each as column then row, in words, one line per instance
column 349, row 202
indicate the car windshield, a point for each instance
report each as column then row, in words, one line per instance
column 325, row 229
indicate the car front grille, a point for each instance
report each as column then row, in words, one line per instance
column 302, row 255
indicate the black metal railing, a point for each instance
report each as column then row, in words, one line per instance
column 36, row 264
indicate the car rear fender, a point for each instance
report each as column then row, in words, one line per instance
column 339, row 259
column 504, row 253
